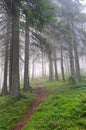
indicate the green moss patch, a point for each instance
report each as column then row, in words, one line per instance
column 64, row 109
column 12, row 110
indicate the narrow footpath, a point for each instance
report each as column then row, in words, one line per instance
column 41, row 93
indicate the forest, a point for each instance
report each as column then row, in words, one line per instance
column 42, row 65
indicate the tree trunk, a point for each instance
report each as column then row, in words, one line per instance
column 62, row 66
column 1, row 74
column 73, row 78
column 45, row 72
column 33, row 65
column 42, row 65
column 13, row 12
column 76, row 61
column 68, row 66
column 10, row 62
column 55, row 65
column 26, row 65
column 4, row 89
column 15, row 83
column 50, row 68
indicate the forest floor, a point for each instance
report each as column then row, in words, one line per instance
column 13, row 109
column 63, row 109
column 55, row 105
column 41, row 93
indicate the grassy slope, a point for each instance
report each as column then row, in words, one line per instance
column 65, row 109
column 12, row 110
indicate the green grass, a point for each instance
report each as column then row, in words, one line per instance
column 12, row 110
column 37, row 81
column 64, row 109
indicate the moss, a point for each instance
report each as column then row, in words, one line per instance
column 64, row 109
column 10, row 109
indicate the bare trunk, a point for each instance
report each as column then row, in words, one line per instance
column 77, row 61
column 62, row 66
column 15, row 83
column 45, row 70
column 50, row 68
column 10, row 60
column 13, row 12
column 1, row 74
column 26, row 65
column 4, row 89
column 21, row 74
column 55, row 65
column 33, row 65
column 68, row 66
column 43, row 65
column 73, row 78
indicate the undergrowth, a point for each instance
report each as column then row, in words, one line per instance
column 12, row 110
column 64, row 109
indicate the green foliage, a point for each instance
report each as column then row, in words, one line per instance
column 65, row 109
column 39, row 13
column 11, row 112
column 65, row 29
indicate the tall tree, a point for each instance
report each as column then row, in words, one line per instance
column 33, row 68
column 62, row 64
column 42, row 64
column 77, row 65
column 50, row 67
column 26, row 64
column 73, row 78
column 4, row 89
column 37, row 18
column 12, row 8
column 55, row 64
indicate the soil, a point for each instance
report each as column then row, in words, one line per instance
column 41, row 93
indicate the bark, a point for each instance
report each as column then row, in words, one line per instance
column 68, row 66
column 4, row 89
column 15, row 83
column 10, row 64
column 33, row 69
column 13, row 12
column 1, row 74
column 43, row 65
column 76, row 61
column 73, row 78
column 26, row 65
column 21, row 72
column 55, row 65
column 50, row 68
column 62, row 66
column 45, row 70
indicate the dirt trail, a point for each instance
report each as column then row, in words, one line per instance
column 41, row 95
